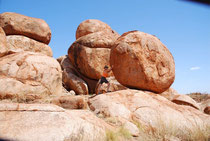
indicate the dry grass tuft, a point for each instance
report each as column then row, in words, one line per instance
column 120, row 134
column 163, row 133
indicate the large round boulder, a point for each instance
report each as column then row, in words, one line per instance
column 17, row 43
column 24, row 74
column 90, row 53
column 3, row 42
column 91, row 26
column 141, row 61
column 17, row 24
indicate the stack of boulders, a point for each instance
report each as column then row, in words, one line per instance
column 87, row 57
column 27, row 69
column 139, row 60
column 25, row 34
column 141, row 99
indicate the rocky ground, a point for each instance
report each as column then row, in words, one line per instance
column 42, row 98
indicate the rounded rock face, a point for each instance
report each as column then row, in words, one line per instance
column 3, row 42
column 17, row 43
column 28, row 73
column 70, row 78
column 91, row 26
column 185, row 100
column 141, row 61
column 90, row 53
column 17, row 24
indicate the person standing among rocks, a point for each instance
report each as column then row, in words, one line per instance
column 103, row 78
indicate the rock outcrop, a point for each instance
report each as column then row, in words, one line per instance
column 27, row 73
column 3, row 42
column 150, row 110
column 33, row 122
column 90, row 53
column 17, row 43
column 141, row 61
column 17, row 24
column 91, row 26
column 185, row 100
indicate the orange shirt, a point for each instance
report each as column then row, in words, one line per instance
column 105, row 74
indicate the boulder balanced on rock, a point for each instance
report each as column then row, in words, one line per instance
column 17, row 24
column 91, row 52
column 141, row 61
column 91, row 26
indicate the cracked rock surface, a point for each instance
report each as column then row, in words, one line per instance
column 18, row 43
column 141, row 61
column 90, row 53
column 28, row 73
column 38, row 122
column 148, row 109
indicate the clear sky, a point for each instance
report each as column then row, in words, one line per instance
column 184, row 27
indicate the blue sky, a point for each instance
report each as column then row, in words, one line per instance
column 184, row 27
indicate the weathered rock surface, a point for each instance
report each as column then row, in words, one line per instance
column 17, row 24
column 114, row 85
column 3, row 42
column 33, row 122
column 70, row 102
column 28, row 73
column 169, row 94
column 205, row 106
column 149, row 110
column 17, row 43
column 70, row 77
column 66, row 64
column 90, row 55
column 141, row 61
column 185, row 100
column 91, row 26
column 101, row 39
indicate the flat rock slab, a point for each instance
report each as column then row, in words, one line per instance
column 49, row 123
